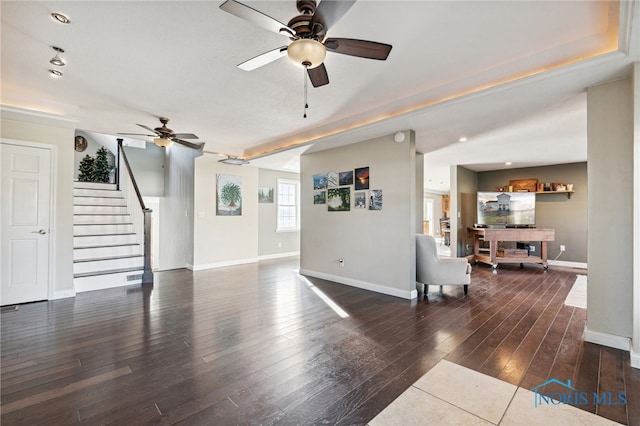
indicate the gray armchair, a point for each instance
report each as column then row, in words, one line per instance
column 431, row 269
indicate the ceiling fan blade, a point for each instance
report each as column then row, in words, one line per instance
column 256, row 17
column 137, row 134
column 185, row 136
column 188, row 144
column 148, row 128
column 318, row 76
column 263, row 59
column 361, row 48
column 328, row 13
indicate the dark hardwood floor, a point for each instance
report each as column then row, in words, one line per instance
column 256, row 344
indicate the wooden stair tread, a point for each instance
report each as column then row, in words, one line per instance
column 109, row 272
column 104, row 246
column 97, row 259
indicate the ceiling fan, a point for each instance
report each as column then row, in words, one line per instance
column 307, row 33
column 165, row 137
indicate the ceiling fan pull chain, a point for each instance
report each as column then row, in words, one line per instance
column 306, row 104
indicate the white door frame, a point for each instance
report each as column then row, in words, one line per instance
column 52, row 197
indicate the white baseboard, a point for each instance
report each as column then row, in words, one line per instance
column 576, row 265
column 404, row 294
column 278, row 255
column 606, row 339
column 63, row 294
column 635, row 359
column 222, row 264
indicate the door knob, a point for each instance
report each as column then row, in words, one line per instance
column 41, row 232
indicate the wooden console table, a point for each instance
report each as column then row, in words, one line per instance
column 494, row 235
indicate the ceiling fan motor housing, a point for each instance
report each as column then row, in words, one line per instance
column 306, row 7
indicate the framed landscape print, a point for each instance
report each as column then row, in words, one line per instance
column 320, row 181
column 265, row 195
column 345, row 178
column 362, row 178
column 339, row 199
column 319, row 196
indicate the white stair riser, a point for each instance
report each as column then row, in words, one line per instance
column 102, row 229
column 94, row 185
column 99, row 209
column 94, row 252
column 103, row 240
column 86, row 192
column 99, row 282
column 105, row 265
column 99, row 201
column 103, row 218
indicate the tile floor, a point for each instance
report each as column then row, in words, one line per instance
column 450, row 394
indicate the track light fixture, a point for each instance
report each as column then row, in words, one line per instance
column 56, row 60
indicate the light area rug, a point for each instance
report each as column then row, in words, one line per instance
column 578, row 294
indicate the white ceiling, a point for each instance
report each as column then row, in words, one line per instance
column 510, row 76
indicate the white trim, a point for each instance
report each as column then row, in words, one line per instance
column 222, row 264
column 278, row 255
column 635, row 359
column 53, row 196
column 404, row 294
column 296, row 184
column 606, row 339
column 568, row 264
column 64, row 294
column 37, row 117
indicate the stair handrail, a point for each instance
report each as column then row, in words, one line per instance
column 147, row 275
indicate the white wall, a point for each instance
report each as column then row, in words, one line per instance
column 270, row 242
column 224, row 240
column 376, row 246
column 610, row 128
column 25, row 126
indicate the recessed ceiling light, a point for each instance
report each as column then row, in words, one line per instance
column 462, row 139
column 56, row 73
column 508, row 163
column 60, row 18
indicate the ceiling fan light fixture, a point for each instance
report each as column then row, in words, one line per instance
column 234, row 160
column 163, row 142
column 306, row 53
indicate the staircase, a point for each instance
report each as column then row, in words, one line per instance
column 106, row 250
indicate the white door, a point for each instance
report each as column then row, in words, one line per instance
column 25, row 198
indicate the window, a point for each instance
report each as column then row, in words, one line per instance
column 287, row 205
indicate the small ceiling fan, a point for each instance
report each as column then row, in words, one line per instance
column 307, row 33
column 164, row 136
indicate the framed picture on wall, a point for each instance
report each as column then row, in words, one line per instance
column 362, row 178
column 319, row 196
column 320, row 181
column 265, row 195
column 360, row 200
column 228, row 195
column 339, row 199
column 375, row 199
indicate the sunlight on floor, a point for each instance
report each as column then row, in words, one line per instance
column 326, row 299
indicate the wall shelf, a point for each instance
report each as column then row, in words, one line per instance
column 556, row 192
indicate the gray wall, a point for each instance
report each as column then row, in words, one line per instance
column 377, row 246
column 148, row 168
column 567, row 216
column 176, row 209
column 270, row 242
column 610, row 128
column 463, row 209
